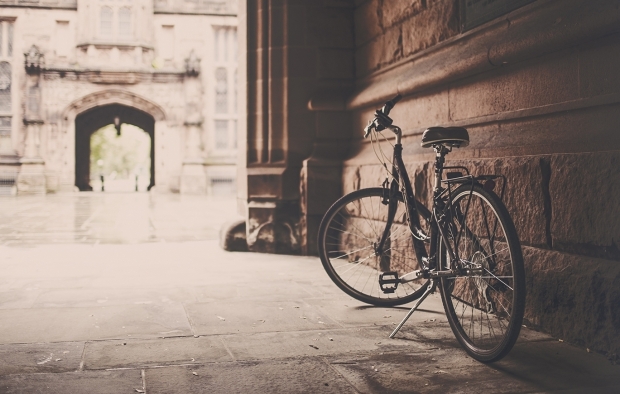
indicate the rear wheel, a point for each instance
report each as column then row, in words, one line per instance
column 348, row 236
column 485, row 307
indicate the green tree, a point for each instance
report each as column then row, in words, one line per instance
column 127, row 154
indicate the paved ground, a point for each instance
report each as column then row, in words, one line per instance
column 129, row 293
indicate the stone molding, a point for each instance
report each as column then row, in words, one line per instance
column 103, row 76
column 196, row 7
column 45, row 4
column 114, row 96
column 508, row 40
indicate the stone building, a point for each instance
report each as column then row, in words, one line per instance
column 535, row 82
column 70, row 67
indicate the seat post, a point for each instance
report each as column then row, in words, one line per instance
column 440, row 158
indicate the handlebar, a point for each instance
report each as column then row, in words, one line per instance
column 390, row 104
column 381, row 119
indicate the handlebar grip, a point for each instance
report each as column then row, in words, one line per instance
column 390, row 104
column 396, row 99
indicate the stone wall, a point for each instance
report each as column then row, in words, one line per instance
column 536, row 88
column 537, row 92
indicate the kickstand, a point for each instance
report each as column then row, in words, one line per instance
column 428, row 291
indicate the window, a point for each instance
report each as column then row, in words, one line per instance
column 105, row 27
column 224, row 92
column 167, row 42
column 115, row 20
column 124, row 22
column 6, row 82
column 221, row 91
column 9, row 27
column 5, row 87
column 5, row 133
column 221, row 134
column 63, row 38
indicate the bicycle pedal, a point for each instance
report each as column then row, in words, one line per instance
column 388, row 281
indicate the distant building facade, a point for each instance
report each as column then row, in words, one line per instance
column 70, row 67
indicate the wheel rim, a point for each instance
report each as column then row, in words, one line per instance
column 350, row 239
column 480, row 306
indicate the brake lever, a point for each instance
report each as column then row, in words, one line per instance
column 368, row 128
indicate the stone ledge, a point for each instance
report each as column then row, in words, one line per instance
column 508, row 40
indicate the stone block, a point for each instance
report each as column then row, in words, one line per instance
column 330, row 27
column 574, row 298
column 598, row 65
column 31, row 179
column 524, row 195
column 367, row 58
column 585, row 203
column 372, row 175
column 433, row 25
column 548, row 80
column 582, row 130
column 336, row 63
column 367, row 25
column 390, row 46
column 302, row 62
column 383, row 50
column 333, row 125
column 421, row 112
column 393, row 12
column 193, row 179
column 350, row 179
column 421, row 177
column 309, row 229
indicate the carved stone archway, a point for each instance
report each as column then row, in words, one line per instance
column 99, row 109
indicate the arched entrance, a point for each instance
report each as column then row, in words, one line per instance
column 95, row 118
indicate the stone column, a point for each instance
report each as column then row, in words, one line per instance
column 193, row 172
column 31, row 178
column 295, row 50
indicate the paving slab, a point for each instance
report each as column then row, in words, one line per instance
column 91, row 382
column 288, row 376
column 156, row 352
column 352, row 313
column 231, row 317
column 275, row 345
column 40, row 357
column 79, row 324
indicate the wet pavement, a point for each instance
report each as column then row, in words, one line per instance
column 130, row 293
column 91, row 217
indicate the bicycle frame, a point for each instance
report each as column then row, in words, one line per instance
column 437, row 225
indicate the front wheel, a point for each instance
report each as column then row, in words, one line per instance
column 484, row 306
column 347, row 242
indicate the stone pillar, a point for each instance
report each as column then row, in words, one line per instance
column 296, row 50
column 31, row 178
column 193, row 172
column 193, row 175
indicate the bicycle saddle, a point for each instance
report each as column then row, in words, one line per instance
column 452, row 136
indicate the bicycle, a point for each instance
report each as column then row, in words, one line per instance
column 383, row 247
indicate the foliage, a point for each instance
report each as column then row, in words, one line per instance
column 123, row 156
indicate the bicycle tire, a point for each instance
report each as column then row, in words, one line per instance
column 347, row 235
column 485, row 311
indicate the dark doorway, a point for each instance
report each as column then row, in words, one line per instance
column 92, row 120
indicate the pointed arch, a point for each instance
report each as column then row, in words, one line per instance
column 114, row 96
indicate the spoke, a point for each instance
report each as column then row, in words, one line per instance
column 354, row 265
column 504, row 283
column 350, row 253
